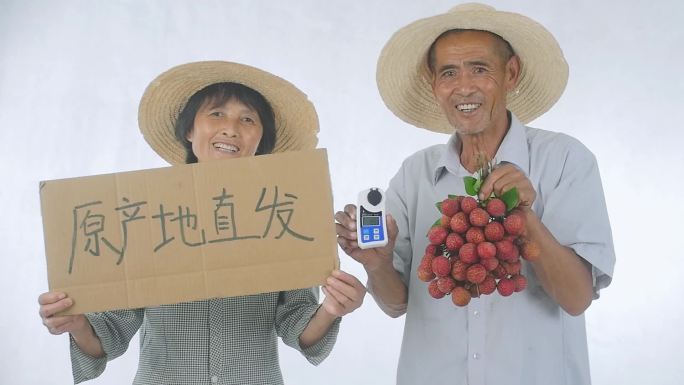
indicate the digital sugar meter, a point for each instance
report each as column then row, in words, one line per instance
column 371, row 227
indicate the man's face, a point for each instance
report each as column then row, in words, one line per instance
column 471, row 80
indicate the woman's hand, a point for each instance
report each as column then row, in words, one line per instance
column 343, row 293
column 77, row 325
column 52, row 303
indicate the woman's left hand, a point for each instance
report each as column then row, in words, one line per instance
column 343, row 293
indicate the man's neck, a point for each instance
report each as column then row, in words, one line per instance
column 478, row 149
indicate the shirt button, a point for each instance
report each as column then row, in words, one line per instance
column 214, row 379
column 476, row 356
column 476, row 313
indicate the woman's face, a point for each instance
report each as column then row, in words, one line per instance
column 231, row 130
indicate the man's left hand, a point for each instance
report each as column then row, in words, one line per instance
column 503, row 178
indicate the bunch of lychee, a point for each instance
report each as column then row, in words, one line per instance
column 475, row 249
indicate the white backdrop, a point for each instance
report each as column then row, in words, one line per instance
column 72, row 72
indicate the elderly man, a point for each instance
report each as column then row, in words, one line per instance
column 479, row 74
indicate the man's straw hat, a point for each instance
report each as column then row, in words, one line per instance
column 404, row 79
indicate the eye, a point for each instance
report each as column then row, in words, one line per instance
column 480, row 70
column 248, row 119
column 217, row 114
column 448, row 74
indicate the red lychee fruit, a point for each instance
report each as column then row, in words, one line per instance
column 514, row 223
column 434, row 290
column 425, row 272
column 454, row 242
column 506, row 250
column 496, row 207
column 468, row 253
column 475, row 235
column 488, row 285
column 489, row 263
column 460, row 296
column 499, row 272
column 486, row 250
column 450, row 207
column 458, row 270
column 505, row 287
column 441, row 266
column 437, row 235
column 459, row 223
column 520, row 282
column 479, row 217
column 512, row 268
column 476, row 273
column 444, row 222
column 446, row 284
column 468, row 204
column 431, row 249
column 494, row 231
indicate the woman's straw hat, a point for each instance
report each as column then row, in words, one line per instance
column 165, row 97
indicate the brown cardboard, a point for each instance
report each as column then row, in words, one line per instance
column 236, row 254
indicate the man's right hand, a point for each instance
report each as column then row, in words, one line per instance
column 372, row 259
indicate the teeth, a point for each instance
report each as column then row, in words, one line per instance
column 226, row 147
column 468, row 107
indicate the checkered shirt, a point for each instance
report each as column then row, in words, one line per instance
column 218, row 341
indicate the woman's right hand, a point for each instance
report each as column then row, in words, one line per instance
column 52, row 303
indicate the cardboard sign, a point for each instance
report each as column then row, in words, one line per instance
column 190, row 232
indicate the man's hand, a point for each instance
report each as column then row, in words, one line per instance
column 373, row 258
column 503, row 178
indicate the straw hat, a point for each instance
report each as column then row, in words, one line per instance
column 404, row 79
column 165, row 97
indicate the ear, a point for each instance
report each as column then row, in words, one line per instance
column 188, row 136
column 512, row 73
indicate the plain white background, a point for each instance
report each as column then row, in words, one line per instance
column 72, row 72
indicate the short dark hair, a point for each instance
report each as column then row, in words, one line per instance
column 218, row 94
column 503, row 47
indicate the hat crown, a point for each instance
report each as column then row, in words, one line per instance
column 472, row 7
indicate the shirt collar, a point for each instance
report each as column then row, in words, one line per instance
column 513, row 149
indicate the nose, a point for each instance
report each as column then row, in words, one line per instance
column 230, row 128
column 465, row 86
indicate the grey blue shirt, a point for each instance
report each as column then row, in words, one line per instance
column 524, row 339
column 217, row 341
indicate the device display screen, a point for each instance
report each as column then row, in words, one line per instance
column 370, row 221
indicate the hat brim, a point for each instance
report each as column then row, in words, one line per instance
column 165, row 97
column 404, row 79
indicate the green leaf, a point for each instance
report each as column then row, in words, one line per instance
column 510, row 198
column 470, row 183
column 439, row 206
column 451, row 196
column 437, row 223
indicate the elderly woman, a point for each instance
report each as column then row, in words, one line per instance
column 199, row 112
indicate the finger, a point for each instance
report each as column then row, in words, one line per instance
column 50, row 310
column 336, row 295
column 487, row 186
column 346, row 284
column 331, row 305
column 50, row 297
column 350, row 209
column 56, row 325
column 344, row 231
column 392, row 232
